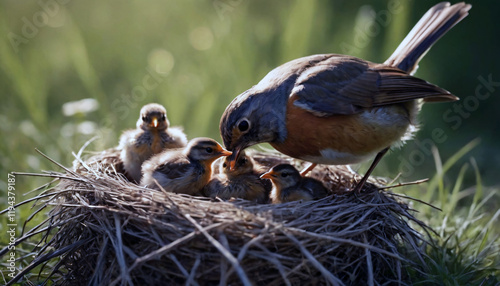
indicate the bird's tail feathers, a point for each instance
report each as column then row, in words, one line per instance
column 432, row 26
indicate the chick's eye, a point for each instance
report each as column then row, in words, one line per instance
column 243, row 125
column 163, row 117
column 284, row 175
column 144, row 118
column 224, row 165
column 209, row 149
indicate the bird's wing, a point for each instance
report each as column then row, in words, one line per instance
column 315, row 188
column 174, row 137
column 337, row 84
column 298, row 194
column 127, row 138
column 174, row 170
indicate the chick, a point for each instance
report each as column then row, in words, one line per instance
column 184, row 171
column 240, row 182
column 151, row 136
column 289, row 185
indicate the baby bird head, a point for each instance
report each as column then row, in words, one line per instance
column 153, row 117
column 205, row 150
column 283, row 176
column 244, row 165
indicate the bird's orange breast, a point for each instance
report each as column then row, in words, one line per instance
column 341, row 139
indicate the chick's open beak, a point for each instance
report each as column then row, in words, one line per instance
column 232, row 159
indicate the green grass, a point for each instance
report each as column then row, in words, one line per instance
column 465, row 247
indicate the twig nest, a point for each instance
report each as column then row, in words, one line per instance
column 108, row 231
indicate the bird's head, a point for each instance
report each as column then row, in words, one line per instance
column 153, row 117
column 205, row 150
column 243, row 165
column 255, row 116
column 283, row 176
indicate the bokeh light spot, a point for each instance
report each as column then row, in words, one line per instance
column 161, row 61
column 201, row 38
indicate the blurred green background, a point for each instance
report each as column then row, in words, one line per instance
column 194, row 57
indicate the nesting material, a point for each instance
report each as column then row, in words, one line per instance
column 104, row 230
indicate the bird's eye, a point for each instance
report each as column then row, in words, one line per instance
column 224, row 165
column 163, row 117
column 284, row 175
column 144, row 118
column 209, row 149
column 243, row 125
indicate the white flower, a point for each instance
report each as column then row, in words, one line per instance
column 85, row 105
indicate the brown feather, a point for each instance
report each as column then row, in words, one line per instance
column 347, row 85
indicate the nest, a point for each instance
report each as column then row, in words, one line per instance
column 104, row 230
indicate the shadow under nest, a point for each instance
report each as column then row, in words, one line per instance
column 104, row 230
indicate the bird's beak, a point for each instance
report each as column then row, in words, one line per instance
column 155, row 122
column 269, row 175
column 224, row 152
column 232, row 159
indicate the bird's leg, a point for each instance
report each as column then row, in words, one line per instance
column 361, row 183
column 308, row 169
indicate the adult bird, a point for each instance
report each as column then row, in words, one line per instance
column 337, row 109
column 152, row 135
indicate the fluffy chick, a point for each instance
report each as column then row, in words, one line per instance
column 289, row 185
column 151, row 136
column 243, row 181
column 184, row 171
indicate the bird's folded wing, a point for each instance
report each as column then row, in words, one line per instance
column 315, row 188
column 127, row 138
column 174, row 170
column 347, row 85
